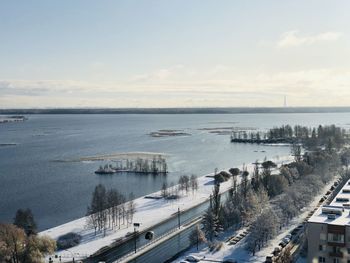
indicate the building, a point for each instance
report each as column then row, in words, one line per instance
column 328, row 230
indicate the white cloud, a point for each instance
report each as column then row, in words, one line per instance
column 314, row 87
column 295, row 39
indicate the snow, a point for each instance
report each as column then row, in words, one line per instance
column 149, row 212
column 342, row 219
column 238, row 251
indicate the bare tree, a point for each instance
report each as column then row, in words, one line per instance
column 164, row 190
column 197, row 236
column 131, row 209
column 194, row 183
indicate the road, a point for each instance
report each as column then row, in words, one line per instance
column 127, row 247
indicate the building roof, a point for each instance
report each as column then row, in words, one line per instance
column 337, row 212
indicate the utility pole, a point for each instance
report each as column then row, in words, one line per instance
column 178, row 217
column 135, row 237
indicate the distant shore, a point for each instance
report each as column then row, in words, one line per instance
column 208, row 110
column 114, row 157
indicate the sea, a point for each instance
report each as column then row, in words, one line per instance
column 36, row 170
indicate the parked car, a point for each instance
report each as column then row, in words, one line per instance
column 288, row 236
column 229, row 260
column 282, row 244
column 286, row 240
column 192, row 258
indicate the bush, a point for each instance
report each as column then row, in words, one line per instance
column 226, row 175
column 68, row 240
column 222, row 177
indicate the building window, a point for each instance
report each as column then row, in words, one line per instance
column 336, row 238
column 322, row 247
column 336, row 260
column 321, row 259
column 323, row 236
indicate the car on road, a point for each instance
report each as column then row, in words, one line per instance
column 229, row 260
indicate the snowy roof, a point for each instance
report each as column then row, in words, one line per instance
column 337, row 212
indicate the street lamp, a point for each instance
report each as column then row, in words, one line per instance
column 72, row 254
column 136, row 225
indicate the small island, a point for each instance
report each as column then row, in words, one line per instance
column 328, row 135
column 14, row 118
column 154, row 166
column 168, row 133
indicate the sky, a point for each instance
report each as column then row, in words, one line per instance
column 179, row 53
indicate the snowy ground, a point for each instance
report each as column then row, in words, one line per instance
column 149, row 212
column 240, row 254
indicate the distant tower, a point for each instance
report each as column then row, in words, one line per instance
column 285, row 101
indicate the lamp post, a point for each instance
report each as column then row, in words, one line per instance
column 136, row 225
column 72, row 254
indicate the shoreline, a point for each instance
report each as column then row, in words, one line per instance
column 146, row 209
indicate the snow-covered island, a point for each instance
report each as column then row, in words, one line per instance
column 14, row 118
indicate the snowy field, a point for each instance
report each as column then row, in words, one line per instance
column 149, row 212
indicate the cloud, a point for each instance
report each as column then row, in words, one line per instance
column 314, row 87
column 295, row 39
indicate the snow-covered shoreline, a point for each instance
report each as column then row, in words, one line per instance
column 149, row 212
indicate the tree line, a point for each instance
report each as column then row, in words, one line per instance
column 268, row 200
column 309, row 137
column 185, row 184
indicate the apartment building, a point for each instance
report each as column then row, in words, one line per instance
column 328, row 230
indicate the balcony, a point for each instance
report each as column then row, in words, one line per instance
column 336, row 243
column 336, row 254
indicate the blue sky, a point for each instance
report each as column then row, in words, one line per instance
column 174, row 53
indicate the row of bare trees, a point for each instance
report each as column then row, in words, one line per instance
column 109, row 209
column 185, row 184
